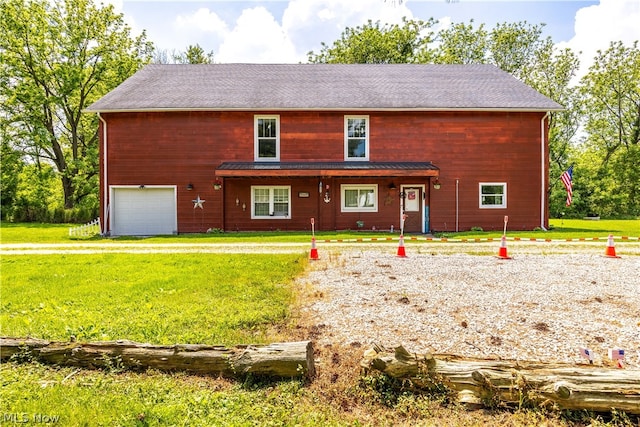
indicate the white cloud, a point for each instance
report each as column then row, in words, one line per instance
column 339, row 14
column 202, row 27
column 443, row 23
column 202, row 20
column 596, row 26
column 256, row 37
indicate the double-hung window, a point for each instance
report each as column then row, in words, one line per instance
column 359, row 198
column 267, row 138
column 356, row 138
column 493, row 195
column 270, row 202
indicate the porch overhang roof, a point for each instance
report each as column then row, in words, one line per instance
column 337, row 169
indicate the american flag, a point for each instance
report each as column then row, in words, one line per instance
column 616, row 354
column 567, row 180
column 587, row 354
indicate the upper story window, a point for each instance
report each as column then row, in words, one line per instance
column 356, row 138
column 493, row 195
column 267, row 138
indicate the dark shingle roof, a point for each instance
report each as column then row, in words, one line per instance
column 322, row 87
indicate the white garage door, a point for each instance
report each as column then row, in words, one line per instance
column 143, row 211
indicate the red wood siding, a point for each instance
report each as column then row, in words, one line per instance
column 178, row 148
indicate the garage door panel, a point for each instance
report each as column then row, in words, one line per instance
column 143, row 211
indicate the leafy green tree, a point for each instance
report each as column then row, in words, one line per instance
column 611, row 105
column 10, row 168
column 374, row 43
column 459, row 44
column 35, row 196
column 611, row 94
column 55, row 60
column 194, row 55
column 513, row 47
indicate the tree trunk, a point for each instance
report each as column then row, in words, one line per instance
column 68, row 190
column 286, row 360
column 491, row 382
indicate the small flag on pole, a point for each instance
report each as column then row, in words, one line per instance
column 616, row 354
column 567, row 180
column 587, row 354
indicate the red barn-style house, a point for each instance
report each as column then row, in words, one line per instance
column 188, row 148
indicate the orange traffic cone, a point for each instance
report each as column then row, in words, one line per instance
column 611, row 249
column 401, row 252
column 502, row 252
column 314, row 252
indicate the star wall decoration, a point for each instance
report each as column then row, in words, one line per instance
column 197, row 203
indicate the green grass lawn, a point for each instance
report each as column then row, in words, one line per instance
column 566, row 229
column 59, row 233
column 99, row 398
column 590, row 228
column 157, row 298
column 559, row 229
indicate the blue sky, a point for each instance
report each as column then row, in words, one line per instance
column 283, row 31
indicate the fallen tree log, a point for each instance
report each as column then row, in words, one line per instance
column 491, row 382
column 289, row 359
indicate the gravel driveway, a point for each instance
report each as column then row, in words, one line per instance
column 532, row 307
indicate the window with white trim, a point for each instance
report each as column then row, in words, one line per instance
column 356, row 138
column 359, row 198
column 493, row 195
column 270, row 202
column 267, row 138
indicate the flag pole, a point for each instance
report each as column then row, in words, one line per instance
column 567, row 181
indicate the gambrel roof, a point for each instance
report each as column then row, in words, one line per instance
column 432, row 87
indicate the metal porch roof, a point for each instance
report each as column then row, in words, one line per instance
column 337, row 169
